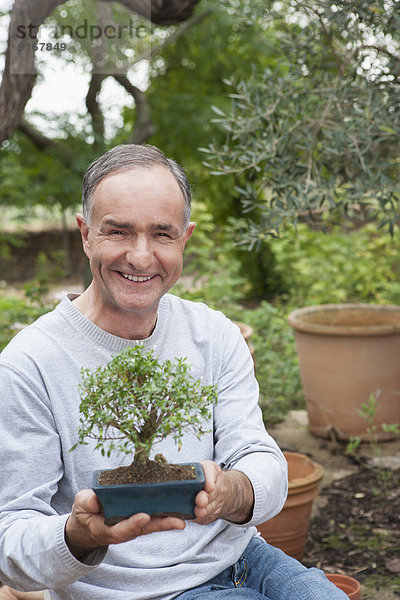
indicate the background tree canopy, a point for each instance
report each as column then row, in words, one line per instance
column 319, row 127
column 50, row 165
column 295, row 103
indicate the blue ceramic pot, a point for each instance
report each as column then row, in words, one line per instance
column 174, row 498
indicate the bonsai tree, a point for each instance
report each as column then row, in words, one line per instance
column 136, row 400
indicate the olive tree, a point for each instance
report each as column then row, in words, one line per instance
column 318, row 130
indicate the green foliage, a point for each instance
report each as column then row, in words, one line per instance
column 344, row 265
column 44, row 165
column 186, row 82
column 211, row 270
column 318, row 128
column 213, row 275
column 135, row 401
column 17, row 312
column 106, row 52
column 368, row 412
column 276, row 360
column 49, row 268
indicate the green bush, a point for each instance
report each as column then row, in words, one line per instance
column 359, row 265
column 19, row 310
column 211, row 269
column 15, row 313
column 276, row 361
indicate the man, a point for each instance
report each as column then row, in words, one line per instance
column 134, row 227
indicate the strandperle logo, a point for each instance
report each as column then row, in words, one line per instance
column 85, row 30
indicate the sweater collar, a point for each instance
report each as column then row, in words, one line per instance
column 102, row 337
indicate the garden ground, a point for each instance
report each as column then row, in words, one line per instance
column 355, row 524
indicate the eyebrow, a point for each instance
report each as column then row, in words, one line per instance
column 113, row 223
column 155, row 227
column 165, row 227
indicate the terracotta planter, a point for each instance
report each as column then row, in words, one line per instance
column 348, row 585
column 247, row 332
column 288, row 530
column 164, row 498
column 348, row 352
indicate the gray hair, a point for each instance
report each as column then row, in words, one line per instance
column 124, row 158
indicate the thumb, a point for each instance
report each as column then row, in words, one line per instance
column 87, row 501
column 211, row 472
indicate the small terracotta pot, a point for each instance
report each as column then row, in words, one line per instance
column 247, row 332
column 348, row 353
column 289, row 529
column 348, row 585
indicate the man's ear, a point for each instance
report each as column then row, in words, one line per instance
column 84, row 229
column 188, row 232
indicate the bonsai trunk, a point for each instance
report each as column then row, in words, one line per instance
column 141, row 458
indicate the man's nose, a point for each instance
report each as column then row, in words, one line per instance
column 140, row 254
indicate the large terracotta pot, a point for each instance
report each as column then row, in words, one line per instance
column 288, row 530
column 347, row 584
column 348, row 353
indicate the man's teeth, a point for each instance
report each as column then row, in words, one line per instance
column 134, row 278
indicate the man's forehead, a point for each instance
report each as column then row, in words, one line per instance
column 121, row 200
column 137, row 172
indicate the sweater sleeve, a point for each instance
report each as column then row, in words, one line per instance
column 33, row 552
column 241, row 441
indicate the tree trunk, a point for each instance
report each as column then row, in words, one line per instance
column 19, row 72
column 26, row 17
column 141, row 457
column 162, row 12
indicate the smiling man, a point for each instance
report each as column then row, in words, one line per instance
column 135, row 242
column 134, row 227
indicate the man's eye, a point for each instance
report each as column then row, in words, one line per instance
column 116, row 232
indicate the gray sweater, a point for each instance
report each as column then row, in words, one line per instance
column 39, row 476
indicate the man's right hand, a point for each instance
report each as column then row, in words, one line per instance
column 85, row 529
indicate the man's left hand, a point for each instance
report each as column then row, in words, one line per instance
column 226, row 495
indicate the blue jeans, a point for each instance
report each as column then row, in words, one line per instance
column 266, row 573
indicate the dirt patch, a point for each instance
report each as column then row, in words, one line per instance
column 357, row 530
column 355, row 525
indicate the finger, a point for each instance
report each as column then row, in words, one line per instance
column 211, row 472
column 129, row 528
column 143, row 524
column 6, row 593
column 201, row 514
column 165, row 524
column 87, row 501
column 202, row 499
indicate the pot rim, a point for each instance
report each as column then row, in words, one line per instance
column 245, row 329
column 298, row 485
column 337, row 578
column 298, row 319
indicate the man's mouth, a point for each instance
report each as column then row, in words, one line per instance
column 135, row 277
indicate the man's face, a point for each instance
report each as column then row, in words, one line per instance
column 136, row 239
